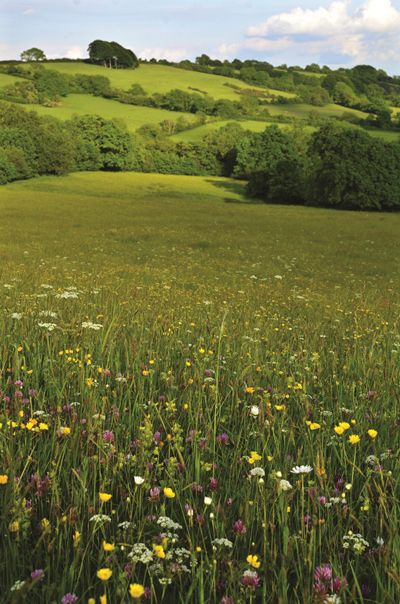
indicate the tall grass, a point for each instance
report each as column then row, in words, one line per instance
column 156, row 337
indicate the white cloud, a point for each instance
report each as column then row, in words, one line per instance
column 170, row 54
column 372, row 16
column 28, row 11
column 75, row 52
column 368, row 33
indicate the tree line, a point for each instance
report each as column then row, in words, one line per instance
column 337, row 166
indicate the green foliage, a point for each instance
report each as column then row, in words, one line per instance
column 111, row 140
column 351, row 170
column 112, row 54
column 51, row 85
column 33, row 54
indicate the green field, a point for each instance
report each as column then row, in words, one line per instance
column 302, row 110
column 170, row 352
column 132, row 116
column 6, row 80
column 161, row 79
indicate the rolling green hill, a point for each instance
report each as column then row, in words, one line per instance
column 6, row 79
column 134, row 117
column 161, row 78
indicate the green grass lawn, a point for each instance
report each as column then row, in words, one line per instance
column 171, row 354
column 6, row 80
column 160, row 78
column 302, row 110
column 132, row 116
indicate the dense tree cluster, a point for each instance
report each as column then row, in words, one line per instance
column 337, row 166
column 31, row 145
column 112, row 55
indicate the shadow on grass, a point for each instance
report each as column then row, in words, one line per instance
column 234, row 187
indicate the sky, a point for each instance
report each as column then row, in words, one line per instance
column 296, row 32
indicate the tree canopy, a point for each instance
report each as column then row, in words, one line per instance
column 112, row 55
column 33, row 54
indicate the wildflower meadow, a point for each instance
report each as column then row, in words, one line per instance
column 199, row 396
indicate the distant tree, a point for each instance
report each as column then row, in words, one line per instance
column 33, row 54
column 112, row 54
column 203, row 60
column 350, row 169
column 273, row 166
column 111, row 140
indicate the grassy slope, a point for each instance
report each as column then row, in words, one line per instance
column 188, row 285
column 6, row 79
column 154, row 212
column 159, row 78
column 302, row 110
column 134, row 117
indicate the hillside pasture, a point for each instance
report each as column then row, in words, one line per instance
column 162, row 79
column 85, row 104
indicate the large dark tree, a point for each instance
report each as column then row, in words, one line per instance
column 33, row 54
column 112, row 54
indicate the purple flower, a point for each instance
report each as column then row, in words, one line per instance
column 108, row 436
column 69, row 599
column 213, row 484
column 250, row 579
column 323, row 573
column 37, row 574
column 239, row 527
column 223, row 439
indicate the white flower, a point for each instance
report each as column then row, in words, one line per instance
column 207, row 501
column 332, row 599
column 257, row 472
column 48, row 313
column 100, row 518
column 284, row 485
column 90, row 325
column 48, row 326
column 16, row 315
column 222, row 542
column 17, row 585
column 301, row 470
column 278, row 277
column 255, row 410
column 138, row 480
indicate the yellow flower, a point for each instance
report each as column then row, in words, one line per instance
column 250, row 390
column 254, row 456
column 354, row 439
column 14, row 526
column 90, row 382
column 3, row 478
column 168, row 492
column 344, row 425
column 108, row 547
column 104, row 574
column 279, row 407
column 104, row 497
column 76, row 537
column 372, row 433
column 136, row 590
column 339, row 430
column 253, row 561
column 103, row 599
column 91, row 601
column 65, row 430
column 158, row 551
column 314, row 426
column 43, row 426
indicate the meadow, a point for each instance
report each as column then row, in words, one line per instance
column 199, row 395
column 162, row 79
column 132, row 116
